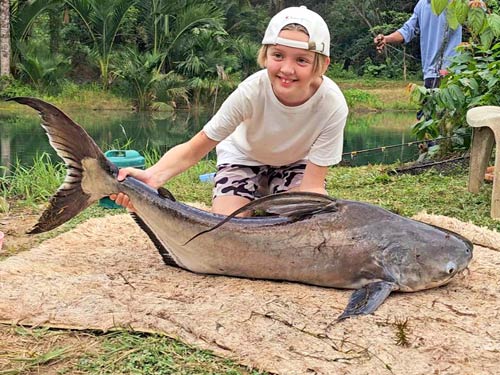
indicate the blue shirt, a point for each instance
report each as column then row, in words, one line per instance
column 433, row 31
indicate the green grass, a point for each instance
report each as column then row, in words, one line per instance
column 32, row 184
column 72, row 95
column 133, row 353
column 361, row 98
column 45, row 350
column 405, row 194
column 377, row 94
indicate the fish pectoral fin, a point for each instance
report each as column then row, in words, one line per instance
column 367, row 299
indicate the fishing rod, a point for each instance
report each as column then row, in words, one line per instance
column 383, row 148
column 208, row 177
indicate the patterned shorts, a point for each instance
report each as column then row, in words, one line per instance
column 255, row 181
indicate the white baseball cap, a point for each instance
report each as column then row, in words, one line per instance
column 319, row 36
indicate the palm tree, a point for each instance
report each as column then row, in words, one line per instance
column 206, row 60
column 40, row 67
column 140, row 71
column 22, row 17
column 103, row 19
column 4, row 38
column 24, row 14
column 167, row 22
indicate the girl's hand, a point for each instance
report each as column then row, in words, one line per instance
column 123, row 199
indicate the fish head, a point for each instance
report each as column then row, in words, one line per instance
column 432, row 259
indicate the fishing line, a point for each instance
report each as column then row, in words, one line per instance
column 353, row 154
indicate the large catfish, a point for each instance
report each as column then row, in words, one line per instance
column 312, row 238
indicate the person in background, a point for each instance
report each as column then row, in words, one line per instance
column 278, row 131
column 437, row 41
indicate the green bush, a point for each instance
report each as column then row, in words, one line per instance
column 474, row 81
column 359, row 98
column 10, row 88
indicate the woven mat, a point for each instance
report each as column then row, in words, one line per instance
column 105, row 275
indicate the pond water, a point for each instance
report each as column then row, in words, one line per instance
column 22, row 138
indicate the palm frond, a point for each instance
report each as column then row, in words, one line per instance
column 23, row 16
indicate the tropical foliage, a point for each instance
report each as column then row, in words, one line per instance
column 194, row 52
column 103, row 19
column 473, row 79
column 208, row 45
column 39, row 66
column 141, row 72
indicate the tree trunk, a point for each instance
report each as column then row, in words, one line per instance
column 4, row 38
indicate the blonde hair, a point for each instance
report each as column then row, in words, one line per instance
column 320, row 63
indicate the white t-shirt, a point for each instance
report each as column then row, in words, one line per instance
column 257, row 129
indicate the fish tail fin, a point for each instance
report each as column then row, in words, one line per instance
column 78, row 150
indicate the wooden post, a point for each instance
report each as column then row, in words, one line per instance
column 486, row 123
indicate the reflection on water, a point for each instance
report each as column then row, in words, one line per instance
column 21, row 137
column 377, row 130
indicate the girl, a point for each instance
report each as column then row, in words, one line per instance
column 278, row 131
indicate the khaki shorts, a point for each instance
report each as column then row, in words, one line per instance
column 255, row 181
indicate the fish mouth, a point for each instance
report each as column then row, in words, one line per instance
column 442, row 282
column 435, row 284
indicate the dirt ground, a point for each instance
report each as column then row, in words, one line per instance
column 105, row 274
column 14, row 225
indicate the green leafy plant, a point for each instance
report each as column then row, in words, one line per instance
column 103, row 20
column 473, row 79
column 10, row 87
column 140, row 71
column 474, row 82
column 360, row 97
column 23, row 17
column 169, row 25
column 34, row 183
column 41, row 68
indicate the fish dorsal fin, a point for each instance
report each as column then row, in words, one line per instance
column 165, row 193
column 294, row 205
column 167, row 258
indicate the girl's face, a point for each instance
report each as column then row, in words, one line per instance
column 290, row 70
